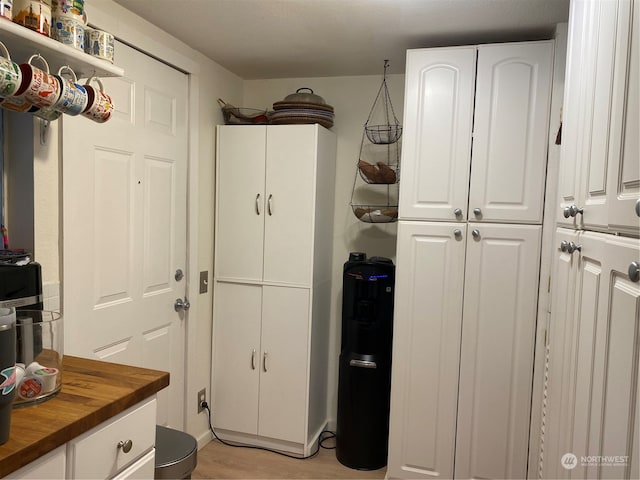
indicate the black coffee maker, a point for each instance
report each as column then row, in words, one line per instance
column 364, row 385
column 21, row 288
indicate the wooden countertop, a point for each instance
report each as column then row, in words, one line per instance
column 92, row 392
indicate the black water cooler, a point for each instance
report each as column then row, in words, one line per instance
column 364, row 384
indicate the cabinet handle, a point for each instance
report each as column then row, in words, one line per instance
column 477, row 212
column 571, row 211
column 457, row 212
column 475, row 233
column 572, row 247
column 258, row 204
column 269, row 207
column 638, row 208
column 634, row 271
column 125, row 445
column 264, row 361
column 457, row 233
column 564, row 246
column 253, row 359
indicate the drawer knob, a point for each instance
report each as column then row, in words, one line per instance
column 125, row 445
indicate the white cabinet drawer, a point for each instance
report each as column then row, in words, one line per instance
column 143, row 469
column 96, row 454
column 51, row 466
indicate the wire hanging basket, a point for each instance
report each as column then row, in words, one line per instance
column 389, row 130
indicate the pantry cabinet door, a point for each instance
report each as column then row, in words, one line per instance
column 572, row 131
column 509, row 159
column 426, row 349
column 436, row 142
column 240, row 202
column 496, row 364
column 624, row 179
column 609, row 381
column 284, row 363
column 236, row 361
column 289, row 208
column 559, row 396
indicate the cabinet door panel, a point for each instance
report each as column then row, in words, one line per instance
column 559, row 396
column 496, row 366
column 291, row 166
column 236, row 316
column 508, row 163
column 572, row 130
column 436, row 147
column 598, row 76
column 284, row 361
column 624, row 179
column 426, row 352
column 240, row 202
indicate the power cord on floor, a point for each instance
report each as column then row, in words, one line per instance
column 321, row 440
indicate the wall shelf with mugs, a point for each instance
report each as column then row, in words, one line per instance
column 22, row 43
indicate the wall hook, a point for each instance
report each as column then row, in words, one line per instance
column 44, row 131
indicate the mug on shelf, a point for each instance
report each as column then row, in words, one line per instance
column 100, row 106
column 6, row 9
column 38, row 86
column 73, row 97
column 68, row 31
column 33, row 14
column 10, row 73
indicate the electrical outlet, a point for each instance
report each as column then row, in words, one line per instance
column 202, row 397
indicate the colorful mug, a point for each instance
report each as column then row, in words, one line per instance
column 10, row 74
column 73, row 97
column 100, row 106
column 38, row 86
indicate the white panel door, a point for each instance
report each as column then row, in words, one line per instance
column 624, row 179
column 236, row 360
column 289, row 208
column 558, row 410
column 240, row 197
column 124, row 204
column 496, row 361
column 595, row 116
column 610, row 424
column 436, row 142
column 284, row 363
column 572, row 131
column 426, row 351
column 508, row 163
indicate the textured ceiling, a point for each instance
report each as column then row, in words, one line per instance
column 316, row 38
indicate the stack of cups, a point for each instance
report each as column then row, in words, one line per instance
column 7, row 369
column 68, row 23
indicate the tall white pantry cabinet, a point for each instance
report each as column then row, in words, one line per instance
column 272, row 283
column 591, row 411
column 471, row 202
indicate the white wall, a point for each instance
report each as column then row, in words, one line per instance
column 352, row 99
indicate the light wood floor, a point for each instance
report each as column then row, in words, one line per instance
column 220, row 461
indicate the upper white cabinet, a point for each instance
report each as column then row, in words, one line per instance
column 22, row 43
column 501, row 177
column 438, row 119
column 599, row 184
column 272, row 193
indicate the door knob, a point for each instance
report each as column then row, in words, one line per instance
column 572, row 247
column 179, row 275
column 571, row 211
column 457, row 233
column 564, row 246
column 634, row 271
column 475, row 233
column 457, row 212
column 477, row 212
column 125, row 445
column 181, row 305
